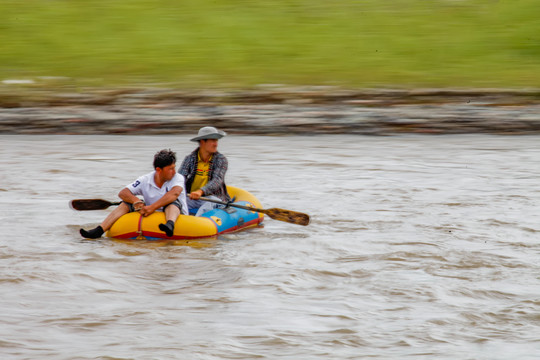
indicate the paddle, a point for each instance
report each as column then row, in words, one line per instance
column 91, row 204
column 289, row 216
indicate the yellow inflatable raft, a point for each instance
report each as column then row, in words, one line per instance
column 210, row 224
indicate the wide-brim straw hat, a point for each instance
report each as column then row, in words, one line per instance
column 209, row 132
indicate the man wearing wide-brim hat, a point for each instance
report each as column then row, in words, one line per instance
column 204, row 170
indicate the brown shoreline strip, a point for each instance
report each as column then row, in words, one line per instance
column 316, row 110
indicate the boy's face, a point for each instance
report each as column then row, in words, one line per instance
column 168, row 172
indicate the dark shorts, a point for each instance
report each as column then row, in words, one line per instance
column 176, row 203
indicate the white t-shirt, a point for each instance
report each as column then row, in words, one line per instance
column 146, row 186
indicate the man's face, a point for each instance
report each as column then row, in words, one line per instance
column 168, row 172
column 210, row 145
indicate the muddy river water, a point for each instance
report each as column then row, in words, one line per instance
column 420, row 247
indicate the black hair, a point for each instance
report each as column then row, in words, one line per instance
column 164, row 158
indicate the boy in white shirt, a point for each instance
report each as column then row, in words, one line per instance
column 162, row 190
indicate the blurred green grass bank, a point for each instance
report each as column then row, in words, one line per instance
column 238, row 44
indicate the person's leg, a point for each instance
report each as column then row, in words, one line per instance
column 203, row 206
column 206, row 206
column 193, row 205
column 95, row 233
column 172, row 211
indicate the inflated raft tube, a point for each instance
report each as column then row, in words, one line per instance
column 210, row 224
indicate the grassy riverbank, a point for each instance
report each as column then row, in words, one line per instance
column 235, row 44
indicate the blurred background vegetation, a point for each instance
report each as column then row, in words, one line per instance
column 240, row 43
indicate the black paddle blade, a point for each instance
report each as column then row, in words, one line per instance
column 90, row 204
column 289, row 216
